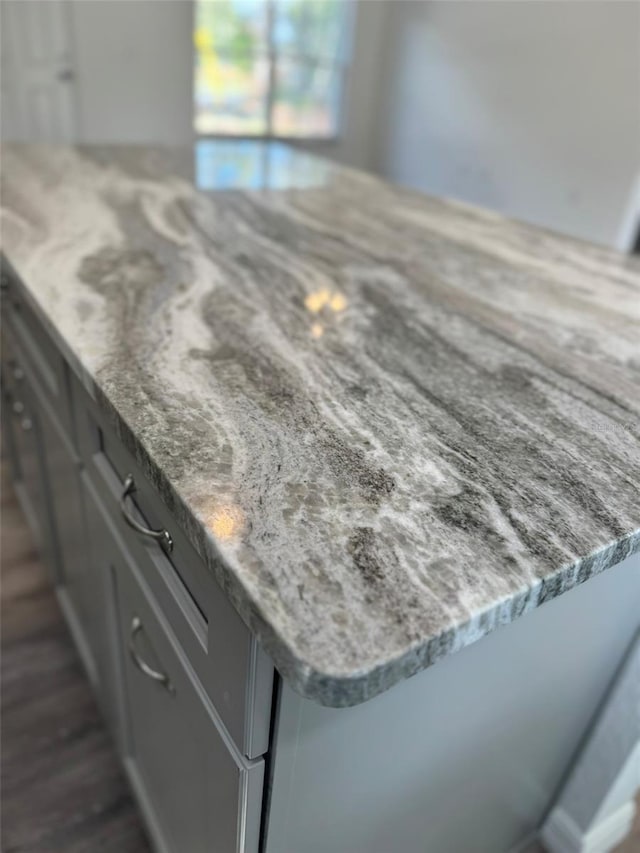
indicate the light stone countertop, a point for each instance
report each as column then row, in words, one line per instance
column 388, row 423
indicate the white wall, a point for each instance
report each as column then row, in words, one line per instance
column 532, row 108
column 133, row 74
column 134, row 61
column 595, row 808
column 130, row 63
column 356, row 145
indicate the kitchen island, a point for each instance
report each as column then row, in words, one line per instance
column 354, row 429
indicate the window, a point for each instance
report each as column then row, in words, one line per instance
column 272, row 68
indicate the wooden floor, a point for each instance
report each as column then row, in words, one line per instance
column 62, row 787
column 631, row 844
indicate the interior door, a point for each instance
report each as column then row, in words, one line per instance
column 38, row 78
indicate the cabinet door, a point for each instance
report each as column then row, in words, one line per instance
column 25, row 440
column 76, row 579
column 7, row 381
column 96, row 590
column 198, row 793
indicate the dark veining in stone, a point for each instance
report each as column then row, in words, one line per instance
column 388, row 423
column 362, row 549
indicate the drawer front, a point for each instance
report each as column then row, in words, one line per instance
column 226, row 658
column 37, row 355
column 198, row 794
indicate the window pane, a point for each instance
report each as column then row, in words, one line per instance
column 234, row 24
column 306, row 98
column 312, row 29
column 231, row 67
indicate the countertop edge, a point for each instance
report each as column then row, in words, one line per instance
column 325, row 688
column 343, row 692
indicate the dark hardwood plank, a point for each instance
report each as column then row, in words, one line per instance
column 62, row 787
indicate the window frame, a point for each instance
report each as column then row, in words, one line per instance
column 340, row 65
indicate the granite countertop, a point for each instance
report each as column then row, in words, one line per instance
column 388, row 423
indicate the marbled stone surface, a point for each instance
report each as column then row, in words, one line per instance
column 389, row 423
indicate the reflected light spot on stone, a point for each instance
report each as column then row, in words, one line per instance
column 316, row 301
column 317, row 330
column 226, row 522
column 338, row 302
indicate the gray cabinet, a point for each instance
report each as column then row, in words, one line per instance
column 198, row 793
column 466, row 756
column 45, row 470
column 24, row 442
column 227, row 661
column 75, row 579
column 192, row 752
column 9, row 427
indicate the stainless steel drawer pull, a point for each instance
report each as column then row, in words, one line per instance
column 161, row 536
column 154, row 674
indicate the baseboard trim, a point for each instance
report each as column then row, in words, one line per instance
column 561, row 834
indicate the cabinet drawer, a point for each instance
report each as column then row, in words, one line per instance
column 227, row 660
column 198, row 793
column 36, row 354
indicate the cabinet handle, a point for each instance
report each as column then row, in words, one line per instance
column 153, row 674
column 26, row 424
column 18, row 407
column 161, row 536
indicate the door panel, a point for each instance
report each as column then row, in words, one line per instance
column 97, row 595
column 38, row 86
column 202, row 797
column 76, row 581
column 24, row 436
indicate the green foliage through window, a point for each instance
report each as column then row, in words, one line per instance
column 270, row 67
